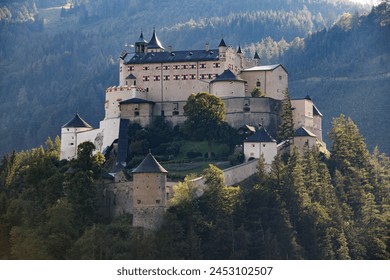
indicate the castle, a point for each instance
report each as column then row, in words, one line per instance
column 154, row 81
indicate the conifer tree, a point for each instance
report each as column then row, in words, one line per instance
column 286, row 126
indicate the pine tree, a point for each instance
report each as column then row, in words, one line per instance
column 286, row 126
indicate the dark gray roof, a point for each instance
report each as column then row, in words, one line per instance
column 174, row 56
column 141, row 39
column 149, row 165
column 155, row 43
column 131, row 77
column 227, row 75
column 260, row 136
column 239, row 49
column 77, row 121
column 256, row 56
column 222, row 43
column 135, row 101
column 303, row 132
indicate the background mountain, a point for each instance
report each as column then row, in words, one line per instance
column 56, row 59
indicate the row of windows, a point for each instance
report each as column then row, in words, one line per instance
column 179, row 77
column 176, row 67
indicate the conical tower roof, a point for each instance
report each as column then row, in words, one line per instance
column 141, row 38
column 239, row 49
column 149, row 165
column 155, row 43
column 77, row 121
column 222, row 43
column 256, row 56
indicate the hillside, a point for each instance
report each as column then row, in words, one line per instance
column 345, row 69
column 53, row 66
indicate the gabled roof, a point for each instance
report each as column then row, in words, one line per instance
column 154, row 42
column 227, row 75
column 256, row 56
column 222, row 43
column 131, row 77
column 259, row 136
column 135, row 101
column 149, row 165
column 174, row 56
column 264, row 68
column 303, row 132
column 77, row 121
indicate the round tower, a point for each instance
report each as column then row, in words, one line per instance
column 222, row 50
column 149, row 195
column 69, row 133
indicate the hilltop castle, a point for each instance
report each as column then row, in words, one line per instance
column 156, row 82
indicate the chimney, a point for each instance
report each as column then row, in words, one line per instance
column 206, row 47
column 169, row 49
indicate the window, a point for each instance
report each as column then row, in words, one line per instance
column 120, row 69
column 246, row 102
column 136, row 114
column 166, row 67
column 217, row 65
column 192, row 76
column 138, row 201
column 157, row 201
column 210, row 76
column 258, row 84
column 145, row 78
column 130, row 68
column 263, row 145
column 167, row 77
column 176, row 77
column 280, row 78
column 185, row 66
column 175, row 106
column 184, row 77
column 203, row 76
column 193, row 66
column 71, row 144
column 156, row 78
column 253, row 145
column 176, row 67
column 145, row 68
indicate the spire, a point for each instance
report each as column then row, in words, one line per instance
column 222, row 43
column 239, row 49
column 141, row 38
column 154, row 42
column 256, row 56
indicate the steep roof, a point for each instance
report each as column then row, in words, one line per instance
column 303, row 132
column 77, row 121
column 256, row 56
column 222, row 43
column 141, row 39
column 239, row 49
column 149, row 165
column 260, row 135
column 154, row 42
column 316, row 112
column 227, row 75
column 174, row 56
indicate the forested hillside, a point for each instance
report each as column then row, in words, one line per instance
column 306, row 207
column 62, row 60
